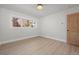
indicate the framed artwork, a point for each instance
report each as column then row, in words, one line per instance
column 19, row 22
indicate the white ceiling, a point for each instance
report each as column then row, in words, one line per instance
column 30, row 9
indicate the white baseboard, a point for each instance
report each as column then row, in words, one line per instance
column 14, row 40
column 53, row 38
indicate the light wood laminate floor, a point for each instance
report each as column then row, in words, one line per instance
column 38, row 46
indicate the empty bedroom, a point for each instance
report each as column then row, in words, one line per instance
column 39, row 29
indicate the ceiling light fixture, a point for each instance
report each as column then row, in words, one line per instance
column 39, row 7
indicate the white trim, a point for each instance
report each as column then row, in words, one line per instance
column 53, row 38
column 14, row 40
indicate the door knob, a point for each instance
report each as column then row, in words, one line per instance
column 67, row 30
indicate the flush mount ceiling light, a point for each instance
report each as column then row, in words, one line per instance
column 39, row 7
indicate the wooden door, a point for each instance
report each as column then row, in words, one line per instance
column 73, row 29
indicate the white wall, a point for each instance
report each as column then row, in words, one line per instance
column 7, row 33
column 55, row 25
